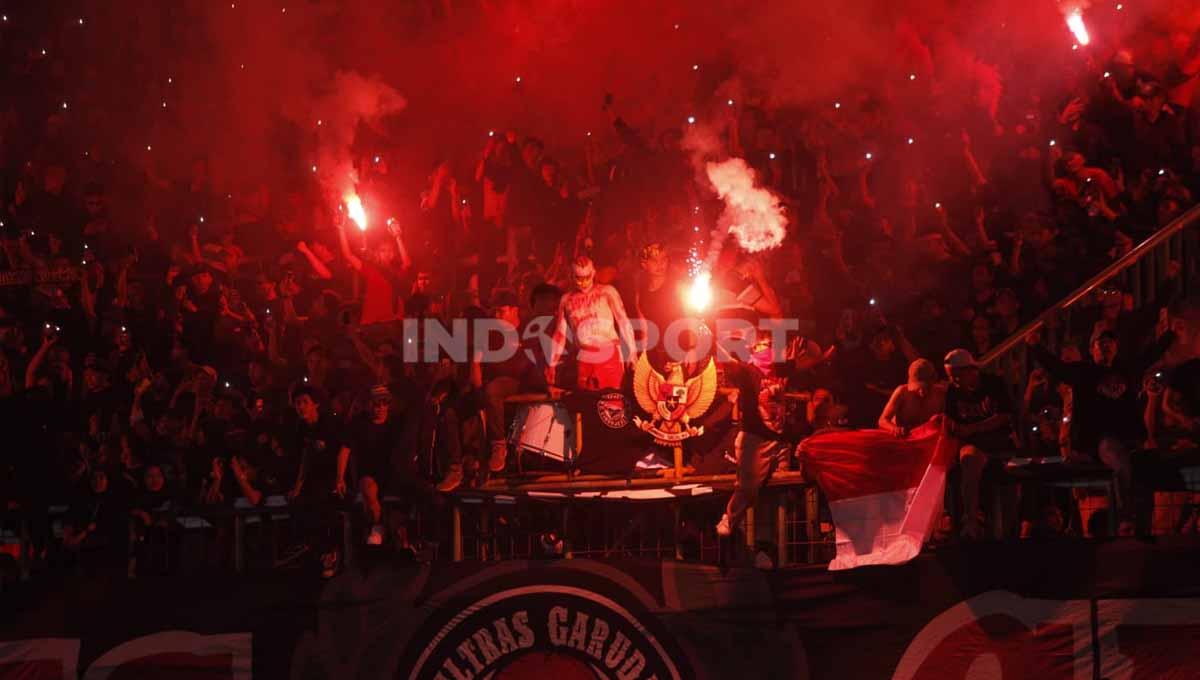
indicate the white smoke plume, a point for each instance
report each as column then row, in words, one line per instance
column 752, row 213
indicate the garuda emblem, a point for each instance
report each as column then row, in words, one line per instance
column 671, row 401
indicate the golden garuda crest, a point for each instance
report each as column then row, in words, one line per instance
column 671, row 401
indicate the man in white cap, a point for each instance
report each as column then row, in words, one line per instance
column 595, row 316
column 915, row 402
column 979, row 414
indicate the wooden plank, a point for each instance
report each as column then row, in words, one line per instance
column 563, row 484
column 531, row 398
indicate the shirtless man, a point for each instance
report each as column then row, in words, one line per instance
column 595, row 316
column 915, row 402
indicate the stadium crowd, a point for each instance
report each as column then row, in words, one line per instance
column 168, row 343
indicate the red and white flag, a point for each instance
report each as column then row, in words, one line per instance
column 885, row 492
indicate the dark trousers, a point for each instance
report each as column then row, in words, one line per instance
column 318, row 517
column 757, row 458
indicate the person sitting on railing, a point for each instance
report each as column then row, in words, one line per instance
column 320, row 489
column 439, row 438
column 915, row 402
column 379, row 440
column 1107, row 417
column 151, row 504
column 1172, row 419
column 1046, row 408
column 979, row 413
column 97, row 521
column 498, row 380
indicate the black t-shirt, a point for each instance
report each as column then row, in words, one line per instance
column 377, row 449
column 151, row 501
column 967, row 407
column 760, row 400
column 1106, row 398
column 318, row 445
column 661, row 306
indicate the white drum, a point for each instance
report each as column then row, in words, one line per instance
column 545, row 429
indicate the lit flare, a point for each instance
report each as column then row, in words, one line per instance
column 699, row 295
column 354, row 208
column 1078, row 29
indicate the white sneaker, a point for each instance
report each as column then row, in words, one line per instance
column 724, row 528
column 653, row 461
column 376, row 535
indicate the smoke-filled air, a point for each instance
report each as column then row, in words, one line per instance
column 267, row 90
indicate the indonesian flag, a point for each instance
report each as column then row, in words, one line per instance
column 884, row 492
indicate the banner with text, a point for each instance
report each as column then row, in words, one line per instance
column 1064, row 610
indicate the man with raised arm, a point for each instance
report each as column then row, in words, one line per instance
column 379, row 272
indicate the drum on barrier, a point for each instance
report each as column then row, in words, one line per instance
column 545, row 429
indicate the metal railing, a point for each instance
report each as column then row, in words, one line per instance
column 1141, row 272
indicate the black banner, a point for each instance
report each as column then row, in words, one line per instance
column 1059, row 610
